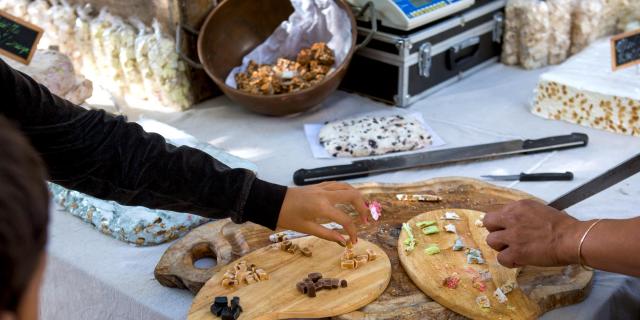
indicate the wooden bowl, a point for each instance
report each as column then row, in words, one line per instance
column 234, row 28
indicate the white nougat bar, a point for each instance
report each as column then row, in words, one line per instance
column 584, row 90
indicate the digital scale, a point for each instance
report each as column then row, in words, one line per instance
column 410, row 14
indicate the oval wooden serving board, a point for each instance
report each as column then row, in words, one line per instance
column 429, row 271
column 226, row 241
column 277, row 298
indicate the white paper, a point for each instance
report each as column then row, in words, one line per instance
column 312, row 21
column 312, row 131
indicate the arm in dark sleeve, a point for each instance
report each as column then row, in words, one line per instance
column 106, row 157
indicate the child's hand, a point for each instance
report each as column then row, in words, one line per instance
column 303, row 206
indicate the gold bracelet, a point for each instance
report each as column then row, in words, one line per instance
column 584, row 236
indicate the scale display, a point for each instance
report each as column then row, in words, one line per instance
column 410, row 14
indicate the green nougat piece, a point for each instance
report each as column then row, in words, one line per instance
column 427, row 223
column 432, row 249
column 431, row 230
column 410, row 241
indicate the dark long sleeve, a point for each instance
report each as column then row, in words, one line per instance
column 109, row 158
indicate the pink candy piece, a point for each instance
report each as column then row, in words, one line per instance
column 376, row 209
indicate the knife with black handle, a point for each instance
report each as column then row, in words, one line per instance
column 547, row 176
column 363, row 168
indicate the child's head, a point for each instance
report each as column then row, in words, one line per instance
column 24, row 210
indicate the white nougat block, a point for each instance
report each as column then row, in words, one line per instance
column 584, row 90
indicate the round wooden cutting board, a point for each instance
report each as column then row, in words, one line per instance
column 277, row 298
column 429, row 271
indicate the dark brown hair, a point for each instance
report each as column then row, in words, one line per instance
column 24, row 214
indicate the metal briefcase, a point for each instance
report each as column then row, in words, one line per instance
column 400, row 67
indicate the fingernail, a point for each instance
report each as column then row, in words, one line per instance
column 342, row 243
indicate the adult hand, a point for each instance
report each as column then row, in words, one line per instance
column 303, row 206
column 530, row 233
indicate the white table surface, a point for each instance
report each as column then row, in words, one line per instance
column 92, row 276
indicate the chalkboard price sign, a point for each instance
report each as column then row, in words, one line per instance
column 18, row 38
column 625, row 50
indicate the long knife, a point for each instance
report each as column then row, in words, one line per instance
column 599, row 183
column 363, row 168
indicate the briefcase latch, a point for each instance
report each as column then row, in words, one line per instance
column 424, row 60
column 498, row 27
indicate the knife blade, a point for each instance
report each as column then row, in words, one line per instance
column 548, row 176
column 363, row 168
column 612, row 176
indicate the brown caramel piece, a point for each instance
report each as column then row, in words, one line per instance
column 348, row 254
column 241, row 266
column 371, row 255
column 228, row 283
column 293, row 249
column 322, row 53
column 283, row 245
column 304, row 56
column 348, row 264
column 306, row 252
column 343, row 283
column 335, row 283
column 262, row 275
column 349, row 245
column 241, row 276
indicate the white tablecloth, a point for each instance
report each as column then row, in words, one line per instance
column 92, row 276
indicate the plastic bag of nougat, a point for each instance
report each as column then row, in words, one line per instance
column 97, row 26
column 38, row 14
column 629, row 19
column 560, row 32
column 534, row 34
column 144, row 41
column 170, row 72
column 511, row 38
column 127, row 58
column 83, row 56
column 586, row 24
column 111, row 44
column 63, row 18
column 17, row 8
column 612, row 11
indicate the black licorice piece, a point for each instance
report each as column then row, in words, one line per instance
column 343, row 283
column 227, row 314
column 315, row 276
column 219, row 303
column 216, row 310
column 235, row 304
